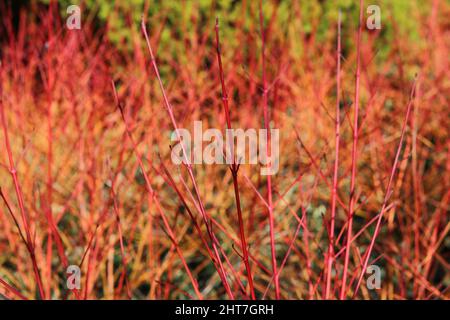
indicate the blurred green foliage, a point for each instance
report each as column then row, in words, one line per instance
column 293, row 16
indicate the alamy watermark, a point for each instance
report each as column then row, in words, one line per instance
column 73, row 21
column 74, row 277
column 239, row 146
column 374, row 280
column 374, row 20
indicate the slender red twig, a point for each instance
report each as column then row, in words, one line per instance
column 354, row 154
column 205, row 217
column 268, row 155
column 234, row 167
column 153, row 196
column 119, row 229
column 172, row 183
column 12, row 289
column 330, row 257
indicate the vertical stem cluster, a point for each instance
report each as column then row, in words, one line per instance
column 268, row 155
column 234, row 168
column 354, row 154
column 330, row 257
column 214, row 243
column 13, row 171
column 153, row 197
column 388, row 191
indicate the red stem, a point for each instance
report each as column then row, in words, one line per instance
column 119, row 229
column 234, row 169
column 268, row 146
column 330, row 257
column 354, row 154
column 169, row 109
column 153, row 197
column 13, row 171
